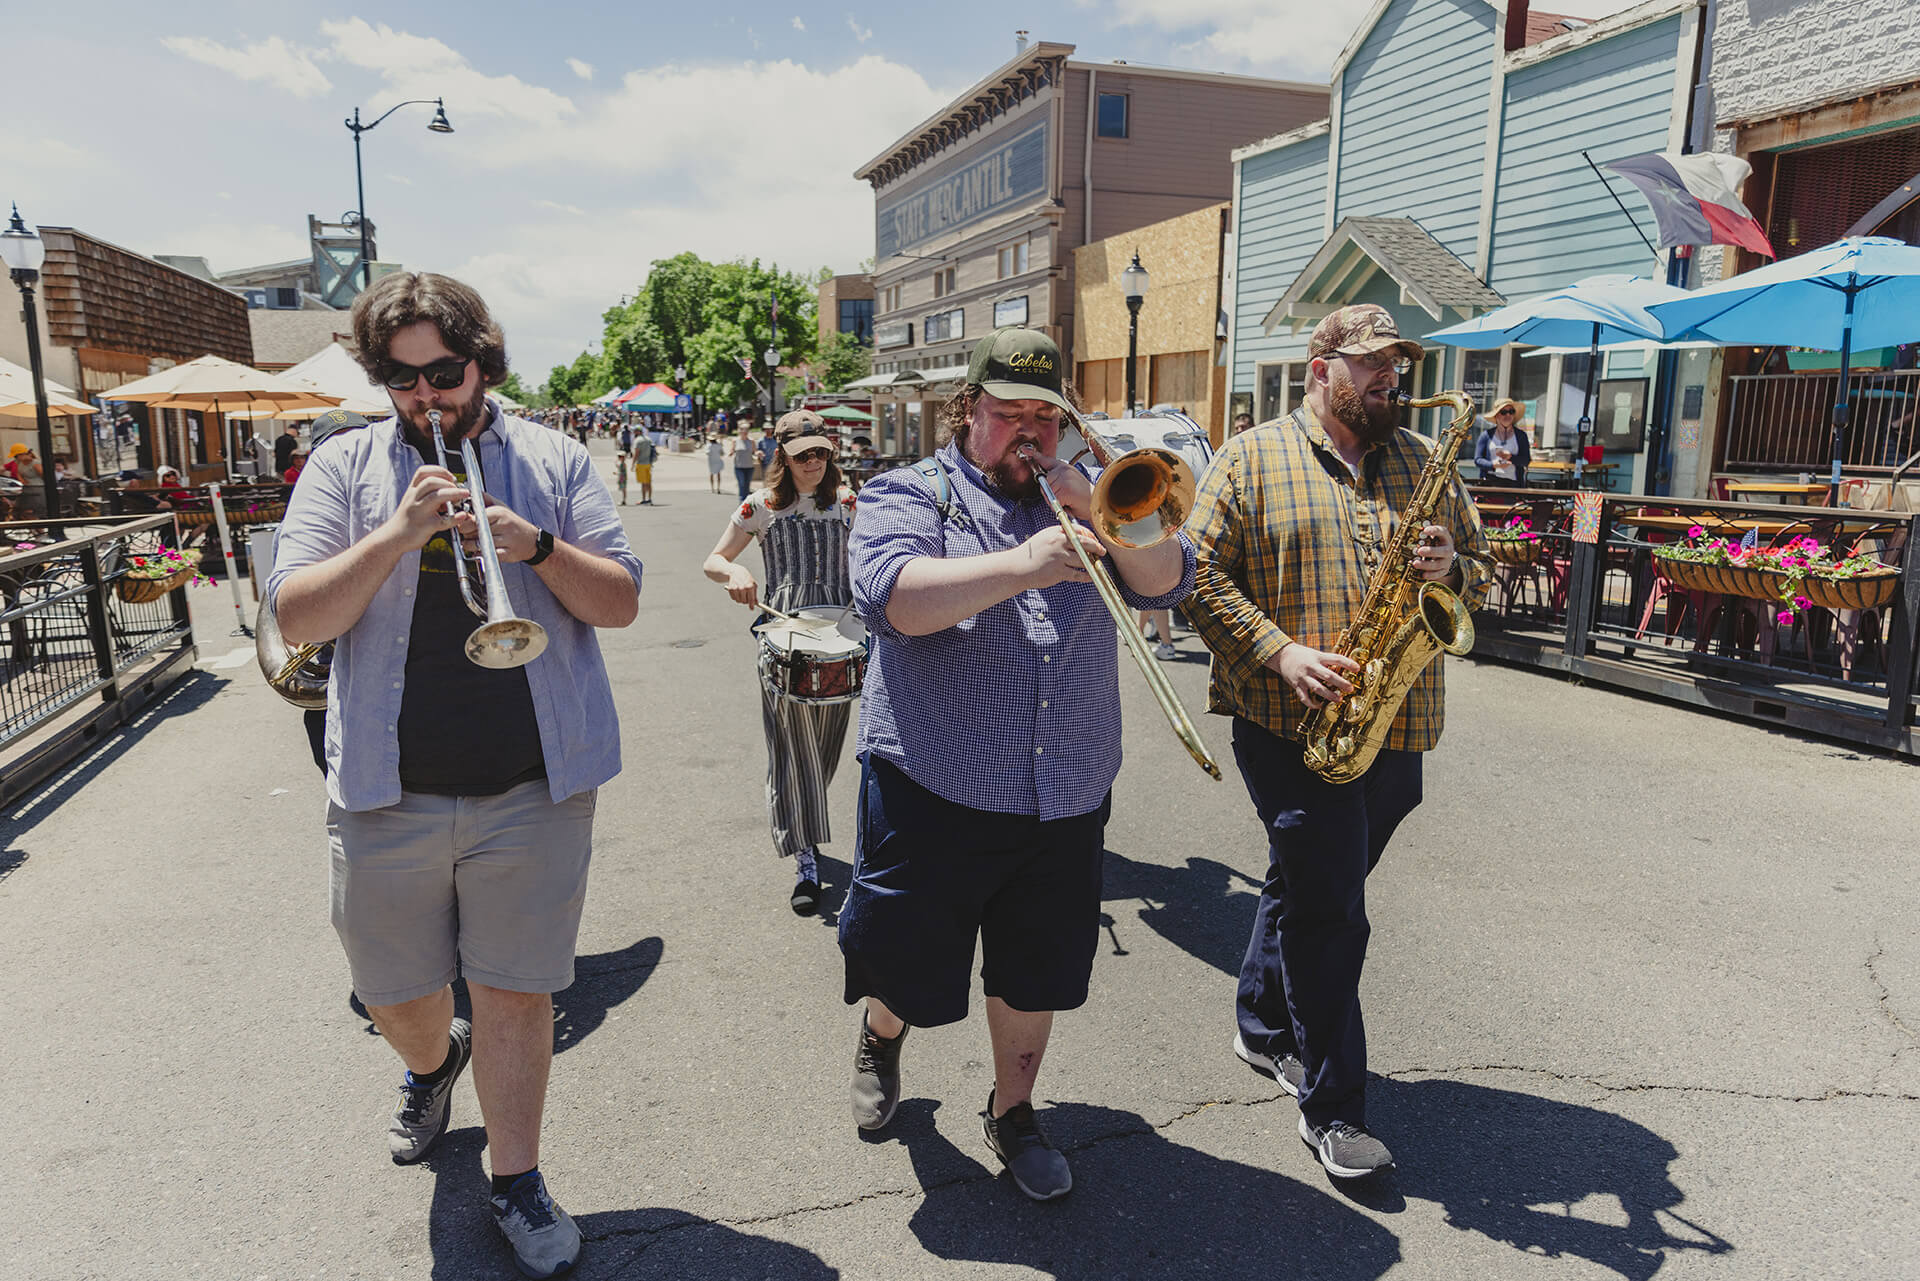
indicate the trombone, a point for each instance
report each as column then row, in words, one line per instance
column 1141, row 498
column 502, row 640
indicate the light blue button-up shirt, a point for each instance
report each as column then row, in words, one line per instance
column 353, row 483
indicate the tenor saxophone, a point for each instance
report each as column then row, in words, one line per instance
column 1404, row 623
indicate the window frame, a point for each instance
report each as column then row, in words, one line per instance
column 1126, row 116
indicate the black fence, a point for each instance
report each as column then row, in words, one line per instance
column 1613, row 611
column 88, row 641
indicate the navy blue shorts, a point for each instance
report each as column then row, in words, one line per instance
column 930, row 875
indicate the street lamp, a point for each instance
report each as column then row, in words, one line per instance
column 772, row 356
column 680, row 377
column 438, row 125
column 1134, row 281
column 23, row 252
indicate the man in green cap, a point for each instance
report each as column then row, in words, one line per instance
column 989, row 741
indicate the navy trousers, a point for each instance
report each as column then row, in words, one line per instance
column 1300, row 983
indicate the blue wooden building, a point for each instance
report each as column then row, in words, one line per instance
column 1448, row 179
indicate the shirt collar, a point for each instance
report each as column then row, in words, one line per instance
column 1316, row 432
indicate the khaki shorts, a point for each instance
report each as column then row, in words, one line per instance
column 486, row 886
column 643, row 472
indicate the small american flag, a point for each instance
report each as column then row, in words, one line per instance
column 1751, row 540
column 746, row 366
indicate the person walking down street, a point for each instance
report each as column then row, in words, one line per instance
column 716, row 461
column 460, row 796
column 644, row 452
column 745, row 459
column 1290, row 523
column 989, row 742
column 801, row 518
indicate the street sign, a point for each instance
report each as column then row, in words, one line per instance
column 683, row 404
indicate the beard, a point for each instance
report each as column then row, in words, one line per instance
column 457, row 422
column 1350, row 407
column 1010, row 476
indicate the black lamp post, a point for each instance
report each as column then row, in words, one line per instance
column 438, row 125
column 23, row 252
column 1134, row 281
column 772, row 356
column 693, row 409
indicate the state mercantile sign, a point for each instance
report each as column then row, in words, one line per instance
column 983, row 183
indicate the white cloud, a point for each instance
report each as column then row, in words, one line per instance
column 860, row 33
column 422, row 67
column 1289, row 38
column 554, row 204
column 582, row 69
column 797, row 24
column 273, row 61
column 402, row 179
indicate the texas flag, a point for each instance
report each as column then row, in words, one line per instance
column 1695, row 198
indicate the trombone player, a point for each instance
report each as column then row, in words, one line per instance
column 460, row 795
column 989, row 739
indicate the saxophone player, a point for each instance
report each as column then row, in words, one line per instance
column 1290, row 524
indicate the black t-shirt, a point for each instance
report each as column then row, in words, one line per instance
column 465, row 730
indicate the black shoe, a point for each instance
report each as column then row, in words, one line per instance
column 876, row 1077
column 1036, row 1165
column 1287, row 1069
column 806, row 897
column 1346, row 1150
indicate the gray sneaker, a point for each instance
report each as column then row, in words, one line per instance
column 543, row 1236
column 1346, row 1150
column 1287, row 1069
column 876, row 1077
column 424, row 1110
column 1016, row 1138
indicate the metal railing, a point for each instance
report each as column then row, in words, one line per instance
column 1784, row 422
column 1608, row 612
column 81, row 648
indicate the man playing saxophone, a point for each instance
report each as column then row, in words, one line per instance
column 1290, row 523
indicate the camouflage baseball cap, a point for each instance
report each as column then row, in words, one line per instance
column 1018, row 364
column 1360, row 329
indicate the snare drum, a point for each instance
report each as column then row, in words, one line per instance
column 822, row 659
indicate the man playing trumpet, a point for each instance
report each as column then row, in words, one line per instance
column 460, row 797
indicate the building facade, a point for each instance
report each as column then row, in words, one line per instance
column 846, row 307
column 979, row 208
column 1180, row 338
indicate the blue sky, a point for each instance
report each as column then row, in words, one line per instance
column 589, row 139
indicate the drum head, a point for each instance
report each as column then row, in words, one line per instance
column 818, row 631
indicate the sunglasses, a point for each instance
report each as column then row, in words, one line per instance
column 1378, row 360
column 442, row 375
column 815, row 455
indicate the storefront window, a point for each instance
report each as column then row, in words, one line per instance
column 1527, row 383
column 1273, row 384
column 1481, row 378
column 1573, row 391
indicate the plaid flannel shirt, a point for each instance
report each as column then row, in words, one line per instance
column 1287, row 538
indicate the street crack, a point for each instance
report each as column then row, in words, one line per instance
column 1886, row 996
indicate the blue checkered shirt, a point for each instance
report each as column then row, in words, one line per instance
column 1015, row 710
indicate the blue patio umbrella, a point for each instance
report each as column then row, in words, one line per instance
column 1862, row 291
column 1599, row 311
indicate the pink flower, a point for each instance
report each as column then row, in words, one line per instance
column 1802, row 602
column 1696, row 531
column 1784, row 616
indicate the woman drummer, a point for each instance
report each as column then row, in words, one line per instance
column 801, row 518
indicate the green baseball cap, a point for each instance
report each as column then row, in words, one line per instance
column 1018, row 364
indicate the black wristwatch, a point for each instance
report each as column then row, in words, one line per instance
column 542, row 547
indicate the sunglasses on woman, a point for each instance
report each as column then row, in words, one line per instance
column 441, row 375
column 815, row 455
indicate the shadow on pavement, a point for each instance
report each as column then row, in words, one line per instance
column 1199, row 908
column 1543, row 1176
column 1141, row 1207
column 650, row 1240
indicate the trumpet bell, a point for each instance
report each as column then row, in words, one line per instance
column 506, row 642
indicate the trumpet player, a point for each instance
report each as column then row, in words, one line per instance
column 989, row 739
column 460, row 796
column 1290, row 524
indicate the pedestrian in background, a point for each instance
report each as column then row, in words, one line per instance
column 716, row 460
column 745, row 459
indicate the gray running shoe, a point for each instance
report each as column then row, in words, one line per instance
column 876, row 1077
column 1346, row 1150
column 424, row 1110
column 543, row 1236
column 1016, row 1138
column 1287, row 1069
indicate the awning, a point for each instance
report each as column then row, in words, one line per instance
column 871, row 380
column 1429, row 275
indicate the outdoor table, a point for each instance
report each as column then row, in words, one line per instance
column 1559, row 475
column 1712, row 522
column 1785, row 491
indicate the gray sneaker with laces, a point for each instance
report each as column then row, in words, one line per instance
column 1346, row 1150
column 543, row 1236
column 424, row 1110
column 1287, row 1069
column 1016, row 1138
column 876, row 1077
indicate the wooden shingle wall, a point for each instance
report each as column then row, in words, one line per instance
column 100, row 296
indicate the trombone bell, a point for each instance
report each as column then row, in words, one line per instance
column 1142, row 497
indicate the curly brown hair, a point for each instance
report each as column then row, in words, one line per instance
column 399, row 300
column 956, row 414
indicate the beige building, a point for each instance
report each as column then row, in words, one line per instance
column 978, row 210
column 1177, row 353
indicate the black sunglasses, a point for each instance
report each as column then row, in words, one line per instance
column 442, row 375
column 815, row 455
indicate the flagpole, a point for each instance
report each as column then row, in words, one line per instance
column 1623, row 208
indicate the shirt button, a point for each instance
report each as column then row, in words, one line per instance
column 1043, row 703
column 1046, row 658
column 1039, row 751
column 396, row 684
column 407, row 591
column 390, row 729
column 401, row 639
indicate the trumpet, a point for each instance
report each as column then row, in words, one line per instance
column 1141, row 499
column 502, row 640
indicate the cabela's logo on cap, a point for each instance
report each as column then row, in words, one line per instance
column 1031, row 360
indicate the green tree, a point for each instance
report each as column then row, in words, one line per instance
column 841, row 359
column 513, row 387
column 737, row 324
column 579, row 382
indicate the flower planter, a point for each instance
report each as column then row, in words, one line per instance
column 1514, row 551
column 1863, row 591
column 1870, row 590
column 140, row 591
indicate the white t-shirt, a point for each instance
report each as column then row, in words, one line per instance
column 754, row 515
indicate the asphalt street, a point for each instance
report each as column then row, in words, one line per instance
column 1643, row 999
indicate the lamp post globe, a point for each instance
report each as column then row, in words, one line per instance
column 23, row 252
column 1133, row 283
column 772, row 357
